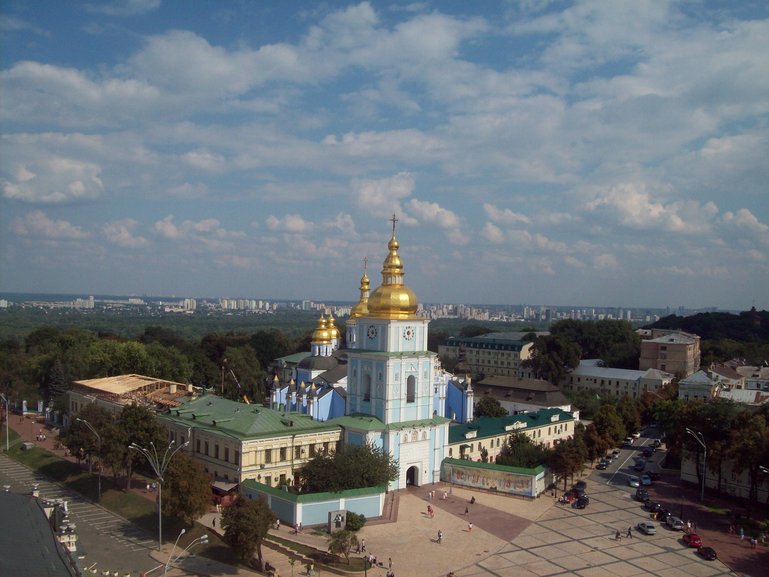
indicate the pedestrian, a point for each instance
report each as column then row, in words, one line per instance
column 213, row 523
column 472, row 500
column 277, row 524
column 467, row 511
column 617, row 536
column 296, row 528
column 390, row 563
column 470, row 527
column 753, row 542
column 445, row 495
column 630, row 532
column 742, row 533
column 363, row 545
column 300, row 526
column 440, row 536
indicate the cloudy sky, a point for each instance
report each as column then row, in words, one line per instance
column 588, row 153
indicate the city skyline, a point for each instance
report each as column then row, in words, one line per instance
column 581, row 153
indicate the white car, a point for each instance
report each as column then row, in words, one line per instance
column 675, row 523
column 636, row 435
column 633, row 481
column 647, row 528
column 646, row 480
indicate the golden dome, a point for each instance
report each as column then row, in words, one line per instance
column 393, row 299
column 321, row 332
column 333, row 330
column 361, row 307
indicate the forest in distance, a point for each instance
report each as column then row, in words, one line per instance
column 43, row 351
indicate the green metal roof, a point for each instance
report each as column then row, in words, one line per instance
column 295, row 358
column 366, row 422
column 538, row 470
column 243, row 421
column 486, row 427
column 311, row 497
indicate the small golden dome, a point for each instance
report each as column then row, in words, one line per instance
column 393, row 299
column 321, row 333
column 361, row 307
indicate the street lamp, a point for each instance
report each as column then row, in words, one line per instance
column 7, row 418
column 701, row 440
column 202, row 540
column 159, row 465
column 98, row 438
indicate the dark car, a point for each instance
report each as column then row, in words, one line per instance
column 639, row 466
column 602, row 464
column 648, row 452
column 641, row 495
column 707, row 553
column 581, row 503
column 663, row 514
column 580, row 485
column 652, row 506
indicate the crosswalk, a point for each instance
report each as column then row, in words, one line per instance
column 88, row 517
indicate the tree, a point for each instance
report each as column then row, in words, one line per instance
column 139, row 426
column 609, row 424
column 354, row 467
column 187, row 492
column 341, row 543
column 552, row 357
column 628, row 411
column 246, row 523
column 355, row 521
column 520, row 451
column 488, row 406
column 596, row 443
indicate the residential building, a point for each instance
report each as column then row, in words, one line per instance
column 520, row 395
column 494, row 354
column 697, row 387
column 671, row 352
column 612, row 383
column 545, row 427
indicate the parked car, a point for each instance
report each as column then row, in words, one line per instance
column 639, row 466
column 675, row 523
column 628, row 442
column 663, row 515
column 615, row 453
column 646, row 480
column 602, row 464
column 652, row 506
column 581, row 503
column 580, row 485
column 693, row 540
column 648, row 452
column 636, row 435
column 641, row 494
column 647, row 528
column 657, row 442
column 633, row 481
column 708, row 553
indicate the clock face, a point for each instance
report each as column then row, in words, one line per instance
column 372, row 331
column 408, row 333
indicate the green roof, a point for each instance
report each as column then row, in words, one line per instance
column 311, row 497
column 243, row 421
column 538, row 470
column 295, row 358
column 486, row 427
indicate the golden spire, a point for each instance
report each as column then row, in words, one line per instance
column 393, row 299
column 361, row 307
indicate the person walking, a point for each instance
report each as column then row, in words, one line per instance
column 470, row 527
column 440, row 536
column 617, row 536
column 629, row 532
column 363, row 545
column 390, row 563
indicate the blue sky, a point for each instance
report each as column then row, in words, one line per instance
column 590, row 153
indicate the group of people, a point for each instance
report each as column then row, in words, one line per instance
column 628, row 533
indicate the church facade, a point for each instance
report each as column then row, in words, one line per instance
column 391, row 390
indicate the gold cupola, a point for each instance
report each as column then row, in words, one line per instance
column 361, row 307
column 393, row 299
column 321, row 334
column 333, row 330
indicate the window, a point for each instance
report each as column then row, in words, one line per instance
column 206, row 453
column 282, row 453
column 227, row 454
column 268, row 480
column 216, row 451
column 268, row 455
column 237, row 457
column 312, row 450
column 367, row 387
column 197, row 445
column 298, row 452
column 411, row 389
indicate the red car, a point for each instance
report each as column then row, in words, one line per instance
column 693, row 540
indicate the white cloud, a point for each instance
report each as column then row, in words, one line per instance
column 120, row 233
column 54, row 180
column 493, row 233
column 382, row 197
column 504, row 216
column 605, row 262
column 206, row 232
column 37, row 224
column 291, row 223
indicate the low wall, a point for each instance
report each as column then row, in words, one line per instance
column 315, row 508
column 491, row 477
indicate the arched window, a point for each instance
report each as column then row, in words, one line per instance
column 366, row 387
column 411, row 389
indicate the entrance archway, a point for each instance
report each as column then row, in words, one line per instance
column 412, row 476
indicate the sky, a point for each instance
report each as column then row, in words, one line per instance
column 541, row 152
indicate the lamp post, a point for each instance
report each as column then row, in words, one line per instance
column 159, row 465
column 98, row 438
column 701, row 440
column 7, row 418
column 202, row 540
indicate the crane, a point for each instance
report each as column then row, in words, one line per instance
column 245, row 397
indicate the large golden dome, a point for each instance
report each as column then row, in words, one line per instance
column 393, row 299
